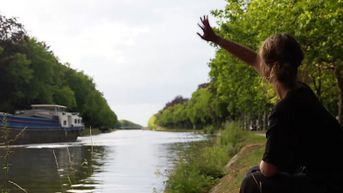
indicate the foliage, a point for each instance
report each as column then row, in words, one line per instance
column 232, row 136
column 177, row 100
column 185, row 113
column 30, row 73
column 128, row 124
column 11, row 31
column 152, row 122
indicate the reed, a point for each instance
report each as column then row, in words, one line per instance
column 5, row 156
column 5, row 131
column 16, row 185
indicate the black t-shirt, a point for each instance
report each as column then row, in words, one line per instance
column 302, row 133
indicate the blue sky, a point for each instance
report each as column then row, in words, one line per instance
column 140, row 53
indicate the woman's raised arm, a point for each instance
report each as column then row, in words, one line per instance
column 247, row 55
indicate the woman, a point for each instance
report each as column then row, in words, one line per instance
column 304, row 141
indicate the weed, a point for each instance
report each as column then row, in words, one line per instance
column 5, row 133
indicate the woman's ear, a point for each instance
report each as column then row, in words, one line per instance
column 272, row 72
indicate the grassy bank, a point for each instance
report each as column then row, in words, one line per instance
column 236, row 169
column 202, row 166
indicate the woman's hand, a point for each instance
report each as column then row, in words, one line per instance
column 208, row 33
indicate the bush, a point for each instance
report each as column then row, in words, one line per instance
column 210, row 129
column 188, row 179
column 232, row 136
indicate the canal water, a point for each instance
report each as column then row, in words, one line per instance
column 124, row 161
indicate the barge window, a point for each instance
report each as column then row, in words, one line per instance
column 64, row 122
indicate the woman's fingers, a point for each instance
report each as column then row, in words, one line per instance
column 206, row 21
column 202, row 37
column 202, row 27
column 202, row 19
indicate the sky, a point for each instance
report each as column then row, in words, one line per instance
column 140, row 53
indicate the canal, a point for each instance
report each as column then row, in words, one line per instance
column 124, row 161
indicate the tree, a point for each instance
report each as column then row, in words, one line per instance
column 11, row 31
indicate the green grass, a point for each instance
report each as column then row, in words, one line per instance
column 202, row 165
column 248, row 158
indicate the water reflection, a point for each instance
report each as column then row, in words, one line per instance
column 51, row 169
column 122, row 161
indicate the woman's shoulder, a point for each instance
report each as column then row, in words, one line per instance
column 303, row 86
column 299, row 96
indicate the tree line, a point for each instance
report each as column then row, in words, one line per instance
column 30, row 73
column 235, row 91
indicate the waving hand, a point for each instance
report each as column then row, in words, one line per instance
column 208, row 33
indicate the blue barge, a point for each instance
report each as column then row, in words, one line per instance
column 44, row 123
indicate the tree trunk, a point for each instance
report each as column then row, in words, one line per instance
column 339, row 77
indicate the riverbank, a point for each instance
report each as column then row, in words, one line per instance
column 250, row 155
column 94, row 131
column 202, row 167
column 175, row 129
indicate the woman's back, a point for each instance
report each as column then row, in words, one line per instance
column 311, row 132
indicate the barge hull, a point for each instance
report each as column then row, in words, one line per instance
column 14, row 136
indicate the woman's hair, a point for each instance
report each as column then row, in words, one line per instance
column 282, row 55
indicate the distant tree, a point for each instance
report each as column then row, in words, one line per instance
column 128, row 124
column 177, row 100
column 152, row 122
